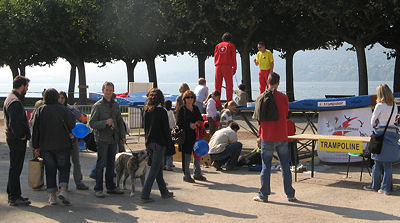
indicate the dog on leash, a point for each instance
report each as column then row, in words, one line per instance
column 131, row 164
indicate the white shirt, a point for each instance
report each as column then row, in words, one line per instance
column 171, row 119
column 211, row 109
column 201, row 92
column 381, row 113
column 221, row 139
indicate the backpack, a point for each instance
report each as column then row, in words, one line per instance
column 266, row 109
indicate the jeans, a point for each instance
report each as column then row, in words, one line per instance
column 186, row 162
column 17, row 156
column 77, row 173
column 377, row 183
column 168, row 161
column 212, row 125
column 230, row 155
column 156, row 171
column 267, row 149
column 53, row 161
column 105, row 158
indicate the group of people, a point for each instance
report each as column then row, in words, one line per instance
column 54, row 119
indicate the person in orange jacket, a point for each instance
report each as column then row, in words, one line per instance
column 225, row 65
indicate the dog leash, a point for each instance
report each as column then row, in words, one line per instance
column 129, row 147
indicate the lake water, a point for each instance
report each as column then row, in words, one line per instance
column 302, row 90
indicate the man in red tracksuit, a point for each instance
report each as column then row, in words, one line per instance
column 225, row 65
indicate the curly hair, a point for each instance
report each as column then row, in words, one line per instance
column 155, row 97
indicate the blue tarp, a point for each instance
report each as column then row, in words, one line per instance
column 331, row 103
column 134, row 99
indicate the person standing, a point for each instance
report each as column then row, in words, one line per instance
column 158, row 139
column 179, row 100
column 265, row 60
column 108, row 128
column 201, row 92
column 225, row 66
column 273, row 136
column 51, row 138
column 17, row 134
column 390, row 149
column 77, row 173
column 212, row 113
column 225, row 148
column 189, row 119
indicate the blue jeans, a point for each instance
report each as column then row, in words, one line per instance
column 168, row 161
column 267, row 149
column 105, row 158
column 230, row 155
column 53, row 161
column 156, row 171
column 377, row 183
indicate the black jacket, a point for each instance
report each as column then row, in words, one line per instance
column 185, row 117
column 156, row 127
column 17, row 126
column 51, row 128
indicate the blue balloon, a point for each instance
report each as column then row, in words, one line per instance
column 201, row 147
column 80, row 130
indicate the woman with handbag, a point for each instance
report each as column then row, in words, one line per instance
column 383, row 120
column 189, row 118
column 158, row 140
column 51, row 137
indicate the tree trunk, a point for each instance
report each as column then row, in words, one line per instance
column 151, row 69
column 130, row 69
column 72, row 80
column 22, row 70
column 396, row 79
column 246, row 78
column 82, row 82
column 201, row 59
column 14, row 70
column 289, row 74
column 362, row 69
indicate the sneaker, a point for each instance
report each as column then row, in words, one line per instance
column 167, row 195
column 383, row 192
column 200, row 177
column 188, row 179
column 92, row 176
column 82, row 186
column 52, row 200
column 292, row 199
column 115, row 191
column 259, row 199
column 62, row 195
column 24, row 198
column 147, row 200
column 19, row 202
column 99, row 194
column 217, row 166
column 369, row 188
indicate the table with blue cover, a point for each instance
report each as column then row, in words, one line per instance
column 134, row 99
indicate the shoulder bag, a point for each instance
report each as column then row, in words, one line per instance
column 376, row 142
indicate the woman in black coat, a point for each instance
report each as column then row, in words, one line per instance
column 189, row 119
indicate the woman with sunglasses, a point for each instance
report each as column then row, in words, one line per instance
column 189, row 118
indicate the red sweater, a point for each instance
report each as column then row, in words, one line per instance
column 225, row 54
column 275, row 131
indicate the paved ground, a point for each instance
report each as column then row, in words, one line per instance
column 226, row 197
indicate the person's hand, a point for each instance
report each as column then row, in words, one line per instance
column 255, row 61
column 123, row 141
column 193, row 126
column 214, row 118
column 199, row 123
column 23, row 138
column 36, row 153
column 109, row 122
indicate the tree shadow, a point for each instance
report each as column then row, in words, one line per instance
column 343, row 211
column 212, row 185
column 193, row 209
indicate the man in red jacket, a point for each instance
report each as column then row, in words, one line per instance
column 273, row 136
column 225, row 65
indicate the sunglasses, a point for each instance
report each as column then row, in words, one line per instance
column 189, row 97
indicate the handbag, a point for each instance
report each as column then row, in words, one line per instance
column 178, row 136
column 376, row 142
column 35, row 173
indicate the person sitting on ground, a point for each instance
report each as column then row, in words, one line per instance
column 179, row 100
column 201, row 92
column 168, row 161
column 227, row 114
column 242, row 97
column 253, row 157
column 211, row 110
column 225, row 148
